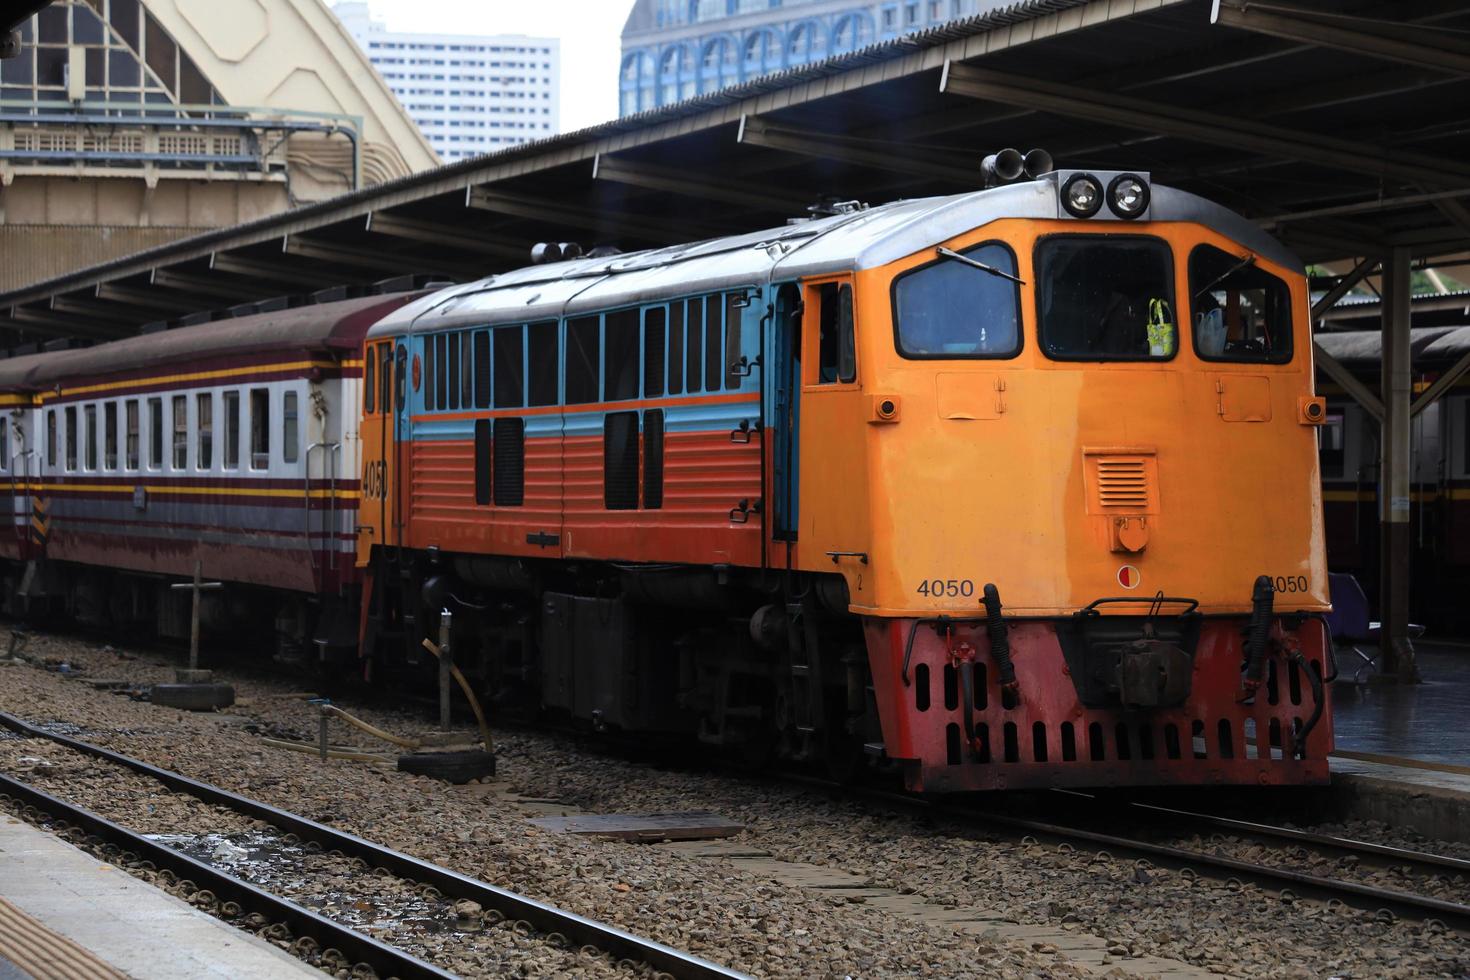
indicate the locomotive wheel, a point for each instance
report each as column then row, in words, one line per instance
column 193, row 697
column 453, row 767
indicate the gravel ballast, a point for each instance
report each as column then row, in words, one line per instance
column 708, row 906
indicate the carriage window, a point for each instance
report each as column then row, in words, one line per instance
column 620, row 342
column 71, row 438
column 232, row 430
column 260, row 428
column 451, row 373
column 181, row 432
column 584, row 355
column 693, row 374
column 400, row 376
column 949, row 309
column 1241, row 312
column 510, row 367
column 1331, row 446
column 370, row 383
column 676, row 348
column 290, row 428
column 431, row 346
column 442, row 369
column 466, row 371
column 204, row 409
column 109, row 435
column 713, row 369
column 653, row 352
column 733, row 312
column 51, row 437
column 837, row 353
column 90, row 417
column 482, row 368
column 544, row 363
column 131, row 448
column 1106, row 298
column 385, row 379
column 155, row 433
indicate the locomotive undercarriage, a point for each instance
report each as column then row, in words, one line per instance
column 771, row 667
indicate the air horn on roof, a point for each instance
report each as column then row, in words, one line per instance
column 1011, row 165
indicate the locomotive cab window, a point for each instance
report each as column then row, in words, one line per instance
column 836, row 345
column 370, row 382
column 1106, row 298
column 1240, row 311
column 951, row 309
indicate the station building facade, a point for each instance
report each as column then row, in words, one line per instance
column 126, row 124
column 469, row 94
column 676, row 49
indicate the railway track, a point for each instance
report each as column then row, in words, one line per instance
column 1357, row 894
column 384, row 959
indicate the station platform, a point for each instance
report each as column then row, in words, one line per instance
column 64, row 913
column 1403, row 750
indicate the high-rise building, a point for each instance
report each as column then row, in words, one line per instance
column 677, row 49
column 469, row 94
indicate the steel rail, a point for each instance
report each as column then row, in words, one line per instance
column 544, row 917
column 386, row 960
column 1407, row 904
column 1426, row 862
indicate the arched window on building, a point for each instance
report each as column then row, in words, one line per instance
column 675, row 75
column 805, row 43
column 717, row 67
column 850, row 32
column 762, row 52
column 636, row 85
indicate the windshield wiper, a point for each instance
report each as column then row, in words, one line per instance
column 1248, row 259
column 950, row 253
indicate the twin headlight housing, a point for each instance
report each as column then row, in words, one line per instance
column 1083, row 194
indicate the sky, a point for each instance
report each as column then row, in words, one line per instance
column 588, row 30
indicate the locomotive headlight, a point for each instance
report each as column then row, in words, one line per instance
column 1082, row 195
column 1128, row 196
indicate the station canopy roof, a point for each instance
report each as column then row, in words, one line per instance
column 1341, row 126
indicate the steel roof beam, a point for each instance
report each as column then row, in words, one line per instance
column 150, row 299
column 670, row 181
column 1335, row 370
column 220, row 287
column 96, row 310
column 1344, row 286
column 63, row 325
column 362, row 258
column 1376, row 38
column 879, row 155
column 607, row 223
column 1201, row 126
column 270, row 271
column 420, row 230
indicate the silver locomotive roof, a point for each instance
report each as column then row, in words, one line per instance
column 842, row 243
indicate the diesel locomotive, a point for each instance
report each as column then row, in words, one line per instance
column 1012, row 488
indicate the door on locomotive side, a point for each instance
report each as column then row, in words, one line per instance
column 783, row 411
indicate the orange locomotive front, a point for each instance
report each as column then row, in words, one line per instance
column 1013, row 488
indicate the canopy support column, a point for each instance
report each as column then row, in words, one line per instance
column 1396, row 471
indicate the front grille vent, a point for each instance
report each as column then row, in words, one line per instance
column 1122, row 482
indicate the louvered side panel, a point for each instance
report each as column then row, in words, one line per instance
column 1121, row 482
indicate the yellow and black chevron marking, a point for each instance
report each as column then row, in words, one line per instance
column 40, row 525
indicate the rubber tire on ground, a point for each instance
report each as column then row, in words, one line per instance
column 454, row 767
column 193, row 697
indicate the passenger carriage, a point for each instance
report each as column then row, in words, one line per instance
column 232, row 445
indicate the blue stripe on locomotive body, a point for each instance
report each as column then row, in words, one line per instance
column 707, row 416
